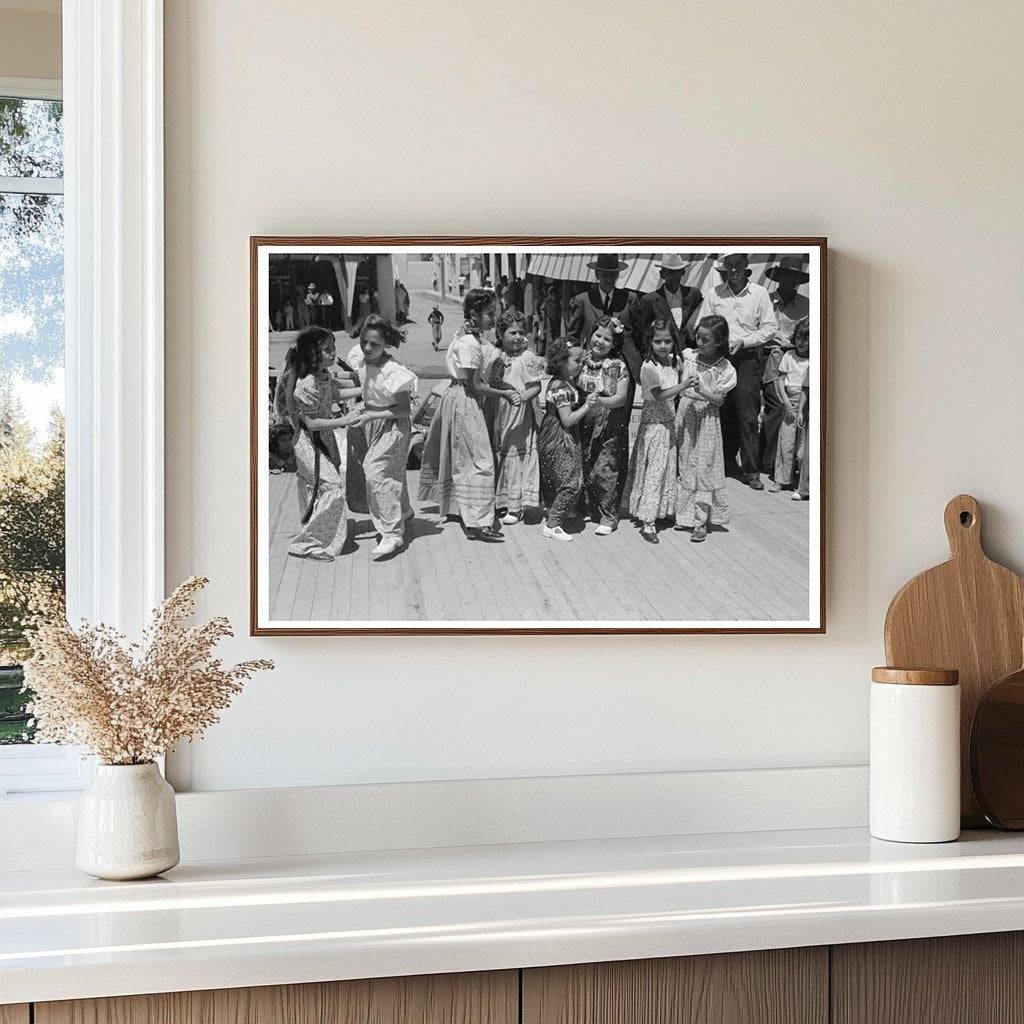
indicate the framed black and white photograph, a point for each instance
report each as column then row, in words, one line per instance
column 537, row 435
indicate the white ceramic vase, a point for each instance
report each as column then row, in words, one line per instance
column 127, row 824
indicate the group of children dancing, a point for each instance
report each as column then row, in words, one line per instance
column 516, row 433
column 371, row 477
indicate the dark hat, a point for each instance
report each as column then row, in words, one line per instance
column 608, row 261
column 791, row 267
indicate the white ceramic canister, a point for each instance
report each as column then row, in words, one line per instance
column 915, row 755
column 127, row 824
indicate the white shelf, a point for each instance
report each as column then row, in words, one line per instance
column 352, row 915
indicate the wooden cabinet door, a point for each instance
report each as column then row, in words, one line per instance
column 13, row 1013
column 481, row 998
column 778, row 986
column 961, row 979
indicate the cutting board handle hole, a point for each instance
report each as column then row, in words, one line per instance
column 962, row 519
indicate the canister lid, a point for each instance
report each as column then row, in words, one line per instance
column 916, row 676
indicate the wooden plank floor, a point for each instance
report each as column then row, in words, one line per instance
column 756, row 570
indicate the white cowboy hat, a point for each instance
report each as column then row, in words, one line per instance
column 671, row 261
column 742, row 256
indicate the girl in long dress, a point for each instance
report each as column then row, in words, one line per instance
column 513, row 427
column 604, row 431
column 388, row 387
column 558, row 442
column 457, row 469
column 789, row 388
column 708, row 377
column 320, row 480
column 651, row 484
column 346, row 376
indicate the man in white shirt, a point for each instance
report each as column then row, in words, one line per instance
column 748, row 310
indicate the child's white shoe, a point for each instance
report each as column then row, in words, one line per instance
column 556, row 533
column 797, row 496
column 509, row 519
column 388, row 546
column 603, row 530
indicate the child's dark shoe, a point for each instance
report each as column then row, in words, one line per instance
column 699, row 533
column 484, row 533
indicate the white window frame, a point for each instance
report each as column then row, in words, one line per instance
column 32, row 88
column 114, row 334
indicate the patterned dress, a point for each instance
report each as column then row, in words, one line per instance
column 514, row 435
column 701, row 496
column 387, row 448
column 319, row 478
column 604, row 439
column 457, row 471
column 561, row 466
column 651, row 484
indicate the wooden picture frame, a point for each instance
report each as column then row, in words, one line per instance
column 501, row 250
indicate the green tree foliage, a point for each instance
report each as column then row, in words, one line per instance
column 32, row 554
column 31, row 350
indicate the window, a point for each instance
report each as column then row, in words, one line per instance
column 103, row 183
column 32, row 488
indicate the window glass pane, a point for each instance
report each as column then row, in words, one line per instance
column 31, row 432
column 31, row 138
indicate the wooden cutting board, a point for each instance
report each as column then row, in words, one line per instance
column 967, row 614
column 997, row 752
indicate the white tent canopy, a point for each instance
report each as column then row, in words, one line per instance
column 641, row 273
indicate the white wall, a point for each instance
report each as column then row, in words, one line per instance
column 894, row 129
column 30, row 40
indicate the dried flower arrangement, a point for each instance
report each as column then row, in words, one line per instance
column 129, row 703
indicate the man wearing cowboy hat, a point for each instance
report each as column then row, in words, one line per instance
column 671, row 300
column 790, row 307
column 751, row 318
column 604, row 299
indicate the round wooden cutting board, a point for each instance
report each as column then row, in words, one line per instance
column 997, row 752
column 967, row 614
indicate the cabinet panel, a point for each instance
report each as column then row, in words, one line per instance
column 962, row 979
column 480, row 998
column 778, row 986
column 14, row 1013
